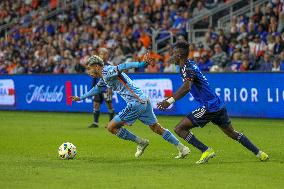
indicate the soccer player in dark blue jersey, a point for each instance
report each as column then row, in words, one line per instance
column 212, row 108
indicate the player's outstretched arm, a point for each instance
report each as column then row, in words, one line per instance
column 146, row 61
column 129, row 65
column 95, row 90
column 181, row 92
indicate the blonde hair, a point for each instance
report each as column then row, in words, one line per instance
column 94, row 59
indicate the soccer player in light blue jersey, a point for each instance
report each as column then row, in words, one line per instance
column 138, row 103
column 212, row 108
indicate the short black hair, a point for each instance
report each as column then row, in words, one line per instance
column 184, row 46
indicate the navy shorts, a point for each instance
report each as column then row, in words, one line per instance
column 200, row 117
column 101, row 96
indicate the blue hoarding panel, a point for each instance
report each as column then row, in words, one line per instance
column 245, row 94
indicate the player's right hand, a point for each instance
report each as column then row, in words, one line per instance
column 147, row 58
column 75, row 98
column 163, row 105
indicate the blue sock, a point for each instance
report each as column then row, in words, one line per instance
column 191, row 139
column 168, row 136
column 247, row 143
column 126, row 135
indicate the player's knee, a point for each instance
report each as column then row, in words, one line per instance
column 97, row 106
column 233, row 134
column 111, row 129
column 178, row 129
column 157, row 129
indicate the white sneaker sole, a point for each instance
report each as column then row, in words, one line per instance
column 142, row 150
column 184, row 154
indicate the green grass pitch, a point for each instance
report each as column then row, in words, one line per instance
column 29, row 159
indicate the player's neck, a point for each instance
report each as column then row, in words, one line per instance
column 182, row 62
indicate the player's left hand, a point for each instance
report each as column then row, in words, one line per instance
column 75, row 98
column 163, row 105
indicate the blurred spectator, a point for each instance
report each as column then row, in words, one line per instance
column 276, row 65
column 204, row 63
column 153, row 67
column 192, row 50
column 58, row 44
column 236, row 63
column 168, row 65
column 257, row 47
column 279, row 44
column 196, row 57
column 257, row 14
column 118, row 56
column 219, row 57
column 199, row 9
column 169, row 68
column 282, row 61
column 270, row 43
column 265, row 64
column 281, row 21
column 223, row 43
column 245, row 65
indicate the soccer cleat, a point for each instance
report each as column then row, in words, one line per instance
column 94, row 125
column 209, row 153
column 183, row 152
column 141, row 147
column 262, row 156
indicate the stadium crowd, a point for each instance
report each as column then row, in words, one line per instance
column 59, row 44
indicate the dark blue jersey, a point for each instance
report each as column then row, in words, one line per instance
column 200, row 88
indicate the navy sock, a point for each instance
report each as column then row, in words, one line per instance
column 191, row 139
column 111, row 114
column 247, row 143
column 96, row 116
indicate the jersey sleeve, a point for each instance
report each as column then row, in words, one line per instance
column 129, row 65
column 110, row 72
column 95, row 90
column 188, row 74
column 101, row 83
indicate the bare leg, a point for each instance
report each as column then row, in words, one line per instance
column 240, row 137
column 183, row 130
column 169, row 137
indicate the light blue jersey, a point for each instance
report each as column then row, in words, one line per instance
column 138, row 104
column 122, row 84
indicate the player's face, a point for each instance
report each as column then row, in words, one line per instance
column 176, row 55
column 94, row 71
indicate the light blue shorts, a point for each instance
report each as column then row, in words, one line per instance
column 133, row 111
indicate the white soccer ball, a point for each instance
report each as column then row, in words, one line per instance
column 67, row 150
